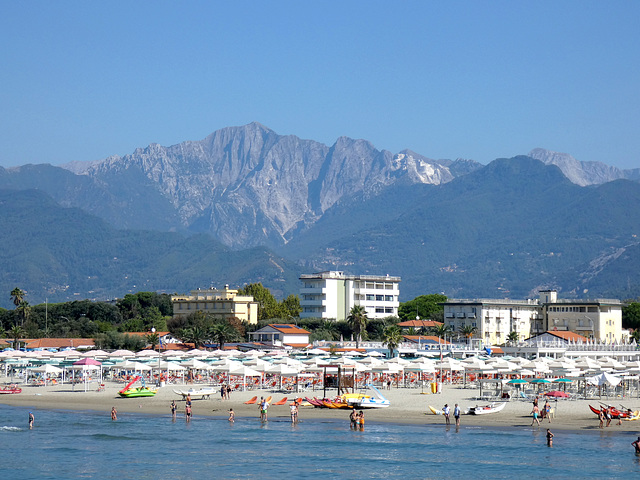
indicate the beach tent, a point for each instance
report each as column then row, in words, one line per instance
column 86, row 365
column 604, row 379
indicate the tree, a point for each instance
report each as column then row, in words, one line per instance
column 468, row 331
column 194, row 334
column 222, row 333
column 441, row 331
column 24, row 310
column 636, row 335
column 268, row 306
column 17, row 296
column 631, row 315
column 424, row 306
column 392, row 338
column 357, row 319
column 153, row 339
column 16, row 333
column 513, row 337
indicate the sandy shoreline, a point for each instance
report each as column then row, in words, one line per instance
column 408, row 406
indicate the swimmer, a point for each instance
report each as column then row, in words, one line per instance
column 549, row 438
column 114, row 413
column 637, row 445
column 232, row 415
column 32, row 419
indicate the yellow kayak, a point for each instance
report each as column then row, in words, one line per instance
column 435, row 411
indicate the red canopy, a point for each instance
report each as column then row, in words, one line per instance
column 557, row 393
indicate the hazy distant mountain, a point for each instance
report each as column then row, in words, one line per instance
column 583, row 173
column 65, row 254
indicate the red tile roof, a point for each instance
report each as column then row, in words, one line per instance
column 289, row 329
column 58, row 342
column 419, row 324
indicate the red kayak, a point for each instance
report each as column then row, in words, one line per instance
column 10, row 389
column 615, row 413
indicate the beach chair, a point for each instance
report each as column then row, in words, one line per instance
column 281, row 402
column 251, row 401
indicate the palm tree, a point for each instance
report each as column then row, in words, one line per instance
column 16, row 333
column 358, row 321
column 195, row 335
column 468, row 331
column 392, row 337
column 513, row 337
column 24, row 309
column 222, row 333
column 17, row 296
column 442, row 330
column 153, row 339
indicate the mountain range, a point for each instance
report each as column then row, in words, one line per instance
column 246, row 204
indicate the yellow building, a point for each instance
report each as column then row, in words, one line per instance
column 225, row 303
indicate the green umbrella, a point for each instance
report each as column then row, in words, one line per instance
column 516, row 381
column 540, row 380
column 563, row 380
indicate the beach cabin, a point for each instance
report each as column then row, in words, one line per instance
column 281, row 335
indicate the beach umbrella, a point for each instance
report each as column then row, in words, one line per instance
column 122, row 353
column 557, row 394
column 539, row 380
column 517, row 381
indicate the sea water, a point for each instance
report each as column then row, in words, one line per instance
column 82, row 444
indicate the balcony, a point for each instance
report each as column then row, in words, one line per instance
column 460, row 315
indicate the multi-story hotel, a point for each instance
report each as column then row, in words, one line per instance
column 224, row 303
column 332, row 294
column 599, row 319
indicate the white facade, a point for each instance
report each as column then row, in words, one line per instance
column 599, row 319
column 494, row 319
column 332, row 294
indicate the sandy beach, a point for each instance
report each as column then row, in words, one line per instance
column 407, row 406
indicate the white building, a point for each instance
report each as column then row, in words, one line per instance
column 599, row 319
column 282, row 335
column 332, row 294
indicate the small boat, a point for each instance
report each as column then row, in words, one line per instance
column 435, row 411
column 360, row 400
column 143, row 391
column 615, row 413
column 493, row 407
column 314, row 401
column 203, row 393
column 9, row 389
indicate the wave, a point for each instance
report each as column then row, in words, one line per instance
column 10, row 429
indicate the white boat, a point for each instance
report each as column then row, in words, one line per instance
column 361, row 400
column 204, row 392
column 493, row 407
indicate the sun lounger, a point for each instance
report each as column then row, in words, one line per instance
column 251, row 401
column 281, row 402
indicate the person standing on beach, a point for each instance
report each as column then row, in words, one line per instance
column 607, row 415
column 549, row 438
column 446, row 412
column 114, row 414
column 601, row 417
column 264, row 406
column 636, row 444
column 547, row 411
column 31, row 420
column 456, row 414
column 174, row 409
column 535, row 412
column 188, row 400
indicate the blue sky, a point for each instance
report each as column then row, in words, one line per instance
column 471, row 79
